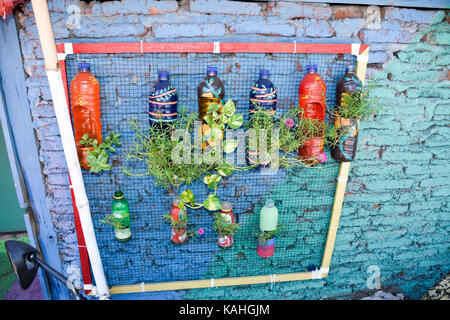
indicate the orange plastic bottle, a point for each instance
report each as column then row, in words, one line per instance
column 312, row 96
column 85, row 102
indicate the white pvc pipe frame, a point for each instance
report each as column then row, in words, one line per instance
column 53, row 71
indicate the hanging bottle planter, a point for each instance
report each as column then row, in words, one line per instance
column 312, row 93
column 263, row 97
column 225, row 225
column 163, row 102
column 85, row 105
column 120, row 217
column 178, row 220
column 268, row 224
column 347, row 86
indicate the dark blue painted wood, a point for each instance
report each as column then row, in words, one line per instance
column 441, row 4
column 18, row 115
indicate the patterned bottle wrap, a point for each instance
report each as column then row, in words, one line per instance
column 162, row 105
column 226, row 241
column 176, row 213
column 345, row 149
column 86, row 111
column 178, row 236
column 311, row 151
column 263, row 97
column 267, row 249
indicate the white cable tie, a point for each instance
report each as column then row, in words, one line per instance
column 142, row 287
column 212, row 282
column 273, row 278
column 142, row 46
column 355, row 49
column 295, row 47
column 362, row 58
column 317, row 274
column 87, row 287
column 216, row 47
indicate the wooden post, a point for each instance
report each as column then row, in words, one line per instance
column 344, row 170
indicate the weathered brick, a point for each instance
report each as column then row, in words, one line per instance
column 290, row 10
column 188, row 30
column 409, row 15
column 226, row 7
column 111, row 8
column 370, row 36
column 262, row 28
column 344, row 12
column 347, row 28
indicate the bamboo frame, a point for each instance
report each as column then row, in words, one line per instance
column 362, row 53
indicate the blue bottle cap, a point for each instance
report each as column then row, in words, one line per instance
column 163, row 74
column 350, row 68
column 311, row 67
column 264, row 73
column 210, row 69
column 84, row 66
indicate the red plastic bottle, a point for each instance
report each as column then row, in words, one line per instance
column 85, row 102
column 312, row 96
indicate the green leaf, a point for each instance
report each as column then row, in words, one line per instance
column 212, row 203
column 188, row 196
column 235, row 121
column 208, row 119
column 213, row 107
column 229, row 109
column 212, row 180
column 230, row 145
column 225, row 169
column 181, row 205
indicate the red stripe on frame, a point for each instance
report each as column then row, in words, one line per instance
column 208, row 47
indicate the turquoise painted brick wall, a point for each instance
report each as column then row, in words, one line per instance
column 396, row 210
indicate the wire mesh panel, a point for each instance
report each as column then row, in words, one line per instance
column 303, row 196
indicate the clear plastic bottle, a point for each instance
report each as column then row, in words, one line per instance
column 209, row 91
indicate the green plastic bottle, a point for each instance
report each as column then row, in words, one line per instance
column 268, row 219
column 121, row 213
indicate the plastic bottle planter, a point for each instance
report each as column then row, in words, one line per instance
column 225, row 241
column 266, row 249
column 121, row 213
column 268, row 221
column 209, row 91
column 345, row 149
column 263, row 96
column 179, row 234
column 163, row 101
column 312, row 94
column 85, row 104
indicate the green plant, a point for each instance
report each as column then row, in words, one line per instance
column 361, row 105
column 97, row 158
column 264, row 236
column 294, row 131
column 178, row 225
column 113, row 221
column 160, row 148
column 223, row 226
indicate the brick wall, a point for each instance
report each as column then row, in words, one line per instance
column 395, row 214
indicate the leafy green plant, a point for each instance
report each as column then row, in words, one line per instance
column 361, row 105
column 97, row 158
column 113, row 221
column 264, row 236
column 178, row 225
column 223, row 227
